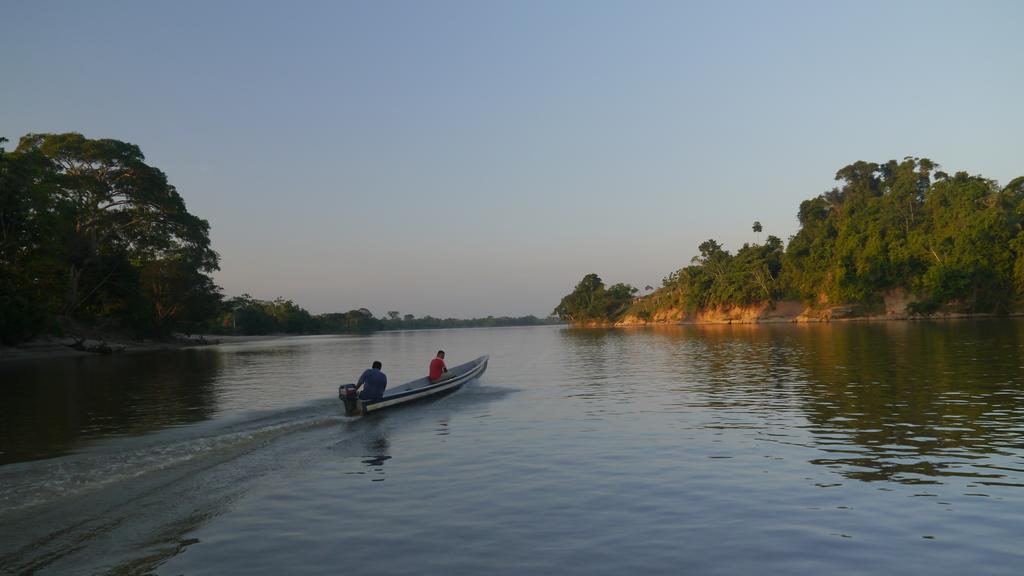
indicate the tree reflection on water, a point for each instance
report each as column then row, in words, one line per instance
column 908, row 402
column 921, row 400
column 47, row 409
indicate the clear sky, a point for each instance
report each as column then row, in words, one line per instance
column 473, row 158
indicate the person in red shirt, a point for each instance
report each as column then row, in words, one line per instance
column 438, row 370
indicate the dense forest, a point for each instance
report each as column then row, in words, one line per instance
column 246, row 315
column 93, row 236
column 89, row 232
column 953, row 243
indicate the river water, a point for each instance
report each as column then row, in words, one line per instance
column 881, row 448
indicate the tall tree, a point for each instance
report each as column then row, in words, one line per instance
column 29, row 249
column 578, row 306
column 89, row 230
column 591, row 302
column 115, row 205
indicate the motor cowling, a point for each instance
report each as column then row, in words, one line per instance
column 347, row 394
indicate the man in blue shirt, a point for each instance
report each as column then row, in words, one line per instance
column 375, row 382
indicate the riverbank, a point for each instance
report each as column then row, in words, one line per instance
column 789, row 311
column 53, row 347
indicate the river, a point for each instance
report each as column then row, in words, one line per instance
column 862, row 448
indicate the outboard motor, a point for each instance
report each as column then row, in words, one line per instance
column 347, row 393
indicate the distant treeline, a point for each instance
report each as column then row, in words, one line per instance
column 246, row 315
column 951, row 242
column 91, row 235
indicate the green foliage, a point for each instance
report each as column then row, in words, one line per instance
column 248, row 316
column 954, row 242
column 410, row 322
column 180, row 296
column 90, row 231
column 359, row 321
column 718, row 279
column 592, row 302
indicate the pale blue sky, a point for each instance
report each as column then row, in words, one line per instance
column 473, row 158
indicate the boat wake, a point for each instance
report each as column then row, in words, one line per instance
column 129, row 500
column 29, row 484
column 126, row 505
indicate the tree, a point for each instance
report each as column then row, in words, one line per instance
column 966, row 243
column 579, row 305
column 1013, row 198
column 29, row 249
column 591, row 302
column 757, row 230
column 954, row 242
column 177, row 294
column 114, row 204
column 616, row 300
column 361, row 320
column 88, row 229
